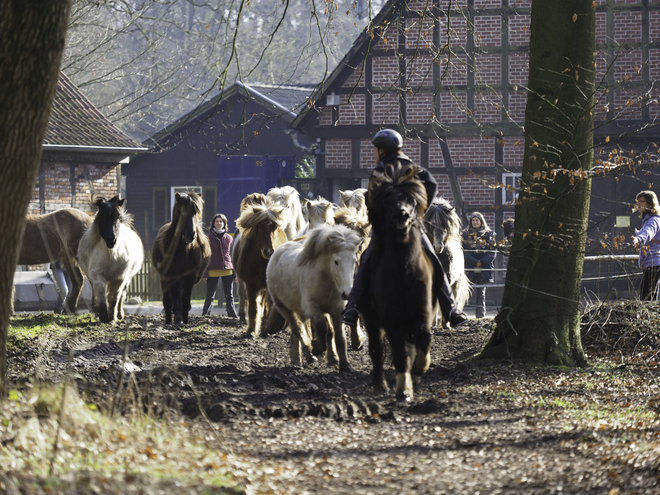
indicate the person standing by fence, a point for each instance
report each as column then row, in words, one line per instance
column 220, row 266
column 647, row 240
column 479, row 251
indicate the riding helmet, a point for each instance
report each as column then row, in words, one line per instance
column 388, row 140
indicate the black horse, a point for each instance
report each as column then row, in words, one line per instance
column 181, row 253
column 399, row 299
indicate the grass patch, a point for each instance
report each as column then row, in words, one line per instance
column 55, row 443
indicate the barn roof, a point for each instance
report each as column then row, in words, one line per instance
column 285, row 101
column 76, row 123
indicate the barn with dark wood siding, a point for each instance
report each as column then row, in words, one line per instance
column 236, row 143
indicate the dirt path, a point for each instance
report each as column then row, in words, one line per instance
column 474, row 427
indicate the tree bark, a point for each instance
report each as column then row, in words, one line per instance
column 32, row 38
column 540, row 316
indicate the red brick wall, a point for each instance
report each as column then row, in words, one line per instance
column 453, row 70
column 385, row 71
column 519, row 30
column 353, row 112
column 487, row 106
column 518, row 68
column 419, row 71
column 628, row 103
column 355, row 79
column 627, row 26
column 488, row 69
column 513, row 151
column 487, row 30
column 444, row 189
column 367, row 157
column 58, row 189
column 454, row 34
column 453, row 107
column 601, row 27
column 385, row 108
column 338, row 153
column 628, row 66
column 476, row 190
column 419, row 108
column 419, row 33
column 472, row 151
column 517, row 104
column 435, row 154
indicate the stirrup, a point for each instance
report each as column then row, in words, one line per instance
column 350, row 317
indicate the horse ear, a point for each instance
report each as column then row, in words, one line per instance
column 177, row 195
column 98, row 202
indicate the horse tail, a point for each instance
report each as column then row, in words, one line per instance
column 462, row 290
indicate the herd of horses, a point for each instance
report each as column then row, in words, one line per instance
column 294, row 266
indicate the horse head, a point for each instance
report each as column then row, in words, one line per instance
column 289, row 199
column 354, row 199
column 398, row 201
column 109, row 216
column 263, row 225
column 443, row 223
column 186, row 215
column 335, row 247
column 319, row 212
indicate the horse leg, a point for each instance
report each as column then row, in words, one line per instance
column 120, row 301
column 242, row 300
column 422, row 355
column 254, row 311
column 115, row 290
column 186, row 295
column 99, row 285
column 376, row 354
column 77, row 279
column 319, row 334
column 340, row 343
column 167, row 302
column 401, row 352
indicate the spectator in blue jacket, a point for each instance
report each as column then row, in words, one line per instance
column 479, row 250
column 647, row 240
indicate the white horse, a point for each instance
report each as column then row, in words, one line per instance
column 310, row 280
column 354, row 199
column 110, row 253
column 319, row 212
column 444, row 227
column 289, row 199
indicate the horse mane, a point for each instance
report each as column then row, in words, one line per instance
column 320, row 210
column 288, row 197
column 328, row 240
column 253, row 199
column 253, row 215
column 195, row 199
column 442, row 215
column 353, row 220
column 354, row 199
column 402, row 178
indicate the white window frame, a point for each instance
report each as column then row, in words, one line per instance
column 182, row 189
column 510, row 179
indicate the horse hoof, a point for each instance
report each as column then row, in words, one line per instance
column 346, row 368
column 404, row 397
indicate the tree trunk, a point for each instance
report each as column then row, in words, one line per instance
column 32, row 37
column 540, row 316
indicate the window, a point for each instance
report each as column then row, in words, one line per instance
column 183, row 189
column 511, row 183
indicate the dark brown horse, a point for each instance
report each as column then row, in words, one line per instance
column 399, row 299
column 249, row 200
column 262, row 231
column 55, row 236
column 181, row 253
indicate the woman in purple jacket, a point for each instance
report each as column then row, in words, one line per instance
column 647, row 240
column 220, row 266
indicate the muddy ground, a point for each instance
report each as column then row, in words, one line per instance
column 474, row 427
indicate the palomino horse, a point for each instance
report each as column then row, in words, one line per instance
column 52, row 237
column 289, row 199
column 250, row 199
column 444, row 227
column 311, row 280
column 399, row 298
column 181, row 253
column 110, row 253
column 262, row 231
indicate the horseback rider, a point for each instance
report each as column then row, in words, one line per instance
column 388, row 144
